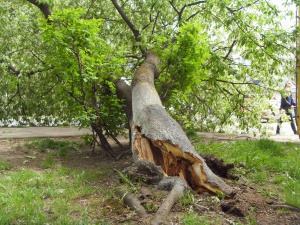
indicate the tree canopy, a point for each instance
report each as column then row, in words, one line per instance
column 60, row 60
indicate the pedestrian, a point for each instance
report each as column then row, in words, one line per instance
column 288, row 105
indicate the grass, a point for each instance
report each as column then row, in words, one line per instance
column 273, row 165
column 46, row 197
column 60, row 148
column 193, row 218
column 50, row 196
column 4, row 165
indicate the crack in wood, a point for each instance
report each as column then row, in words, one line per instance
column 173, row 161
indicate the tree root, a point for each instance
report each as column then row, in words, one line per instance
column 288, row 207
column 177, row 188
column 130, row 200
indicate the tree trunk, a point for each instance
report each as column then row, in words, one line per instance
column 157, row 138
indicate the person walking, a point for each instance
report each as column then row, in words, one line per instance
column 288, row 105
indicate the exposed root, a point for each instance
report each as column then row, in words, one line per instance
column 130, row 200
column 175, row 194
column 177, row 188
column 288, row 207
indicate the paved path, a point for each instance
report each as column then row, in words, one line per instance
column 44, row 132
column 225, row 137
column 41, row 132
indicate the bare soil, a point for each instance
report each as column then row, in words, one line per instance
column 248, row 206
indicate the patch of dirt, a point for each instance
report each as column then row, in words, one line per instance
column 246, row 207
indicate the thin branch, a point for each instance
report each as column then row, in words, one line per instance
column 193, row 15
column 38, row 58
column 253, row 41
column 135, row 32
column 230, row 49
column 243, row 7
column 155, row 21
column 180, row 13
column 195, row 3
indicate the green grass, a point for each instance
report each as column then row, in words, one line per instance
column 273, row 165
column 49, row 162
column 4, row 165
column 193, row 218
column 60, row 148
column 48, row 197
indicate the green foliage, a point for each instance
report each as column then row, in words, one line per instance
column 88, row 139
column 83, row 65
column 255, row 159
column 214, row 55
column 186, row 57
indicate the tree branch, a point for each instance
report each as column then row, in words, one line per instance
column 243, row 7
column 230, row 50
column 196, row 3
column 44, row 7
column 135, row 32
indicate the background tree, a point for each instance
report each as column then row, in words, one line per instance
column 212, row 53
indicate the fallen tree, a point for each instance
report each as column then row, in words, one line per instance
column 158, row 141
column 157, row 138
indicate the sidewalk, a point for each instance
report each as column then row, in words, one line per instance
column 225, row 137
column 44, row 132
column 41, row 132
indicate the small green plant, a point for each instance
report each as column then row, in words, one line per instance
column 126, row 179
column 49, row 162
column 4, row 165
column 251, row 220
column 151, row 207
column 187, row 199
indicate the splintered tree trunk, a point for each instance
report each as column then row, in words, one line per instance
column 157, row 138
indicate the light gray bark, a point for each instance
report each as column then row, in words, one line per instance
column 158, row 138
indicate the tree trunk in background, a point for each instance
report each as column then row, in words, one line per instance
column 157, row 138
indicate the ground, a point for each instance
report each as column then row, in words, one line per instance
column 247, row 207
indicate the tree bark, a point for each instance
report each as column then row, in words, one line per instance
column 44, row 7
column 157, row 138
column 130, row 200
column 177, row 191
